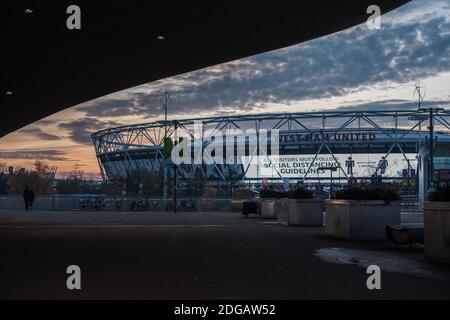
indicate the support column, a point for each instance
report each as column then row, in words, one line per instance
column 423, row 168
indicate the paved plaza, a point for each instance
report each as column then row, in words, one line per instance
column 166, row 255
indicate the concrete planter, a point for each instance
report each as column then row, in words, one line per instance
column 305, row 212
column 268, row 208
column 437, row 231
column 282, row 210
column 360, row 220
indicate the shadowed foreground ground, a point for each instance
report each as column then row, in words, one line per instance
column 194, row 256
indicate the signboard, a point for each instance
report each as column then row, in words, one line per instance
column 344, row 137
column 409, row 173
column 296, row 166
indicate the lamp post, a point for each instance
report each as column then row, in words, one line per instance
column 164, row 103
column 431, row 130
column 431, row 111
column 431, row 140
column 175, row 173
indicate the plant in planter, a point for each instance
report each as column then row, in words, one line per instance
column 437, row 225
column 442, row 194
column 363, row 193
column 303, row 209
column 301, row 193
column 273, row 194
column 362, row 212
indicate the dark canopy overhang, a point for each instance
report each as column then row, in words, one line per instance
column 47, row 68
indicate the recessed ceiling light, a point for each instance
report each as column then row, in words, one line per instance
column 28, row 10
column 160, row 37
column 9, row 93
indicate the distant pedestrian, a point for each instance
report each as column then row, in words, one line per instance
column 26, row 197
column 31, row 199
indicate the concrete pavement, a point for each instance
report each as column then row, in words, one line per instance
column 125, row 255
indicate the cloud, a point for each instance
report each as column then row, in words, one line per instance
column 39, row 133
column 51, row 155
column 148, row 105
column 392, row 105
column 80, row 130
column 45, row 122
column 113, row 108
column 336, row 65
column 384, row 105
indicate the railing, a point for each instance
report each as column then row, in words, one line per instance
column 105, row 203
column 409, row 203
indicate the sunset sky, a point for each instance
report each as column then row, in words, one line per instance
column 354, row 69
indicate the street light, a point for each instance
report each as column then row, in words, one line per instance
column 164, row 103
column 431, row 112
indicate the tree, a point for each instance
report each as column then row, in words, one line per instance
column 194, row 187
column 73, row 183
column 40, row 179
column 154, row 184
column 3, row 179
column 114, row 188
column 2, row 167
column 144, row 182
column 139, row 182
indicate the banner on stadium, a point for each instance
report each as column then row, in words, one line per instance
column 296, row 166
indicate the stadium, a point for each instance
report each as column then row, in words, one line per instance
column 392, row 144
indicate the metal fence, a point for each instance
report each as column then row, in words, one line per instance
column 104, row 203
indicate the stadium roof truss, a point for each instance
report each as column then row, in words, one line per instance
column 392, row 128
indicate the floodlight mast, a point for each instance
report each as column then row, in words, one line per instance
column 431, row 174
column 420, row 97
column 164, row 103
column 430, row 128
column 432, row 141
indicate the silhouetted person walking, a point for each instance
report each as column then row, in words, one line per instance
column 31, row 199
column 26, row 197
